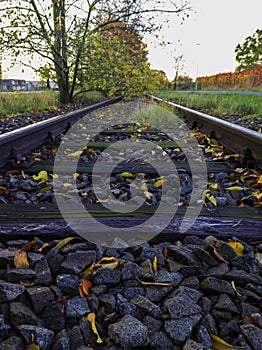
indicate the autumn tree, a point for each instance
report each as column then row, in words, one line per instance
column 249, row 54
column 116, row 62
column 56, row 30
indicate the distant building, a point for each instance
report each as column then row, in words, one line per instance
column 23, row 85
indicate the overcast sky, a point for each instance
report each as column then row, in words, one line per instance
column 207, row 39
column 217, row 26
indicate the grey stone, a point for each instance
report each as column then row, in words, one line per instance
column 193, row 345
column 203, row 337
column 76, row 307
column 40, row 298
column 180, row 330
column 129, row 333
column 248, row 309
column 181, row 305
column 226, row 251
column 53, row 317
column 173, row 266
column 75, row 337
column 18, row 275
column 241, row 277
column 108, row 301
column 4, row 328
column 68, row 283
column 219, row 270
column 78, row 261
column 6, row 257
column 190, row 282
column 10, row 291
column 131, row 292
column 42, row 336
column 21, row 314
column 62, row 341
column 12, row 343
column 253, row 334
column 43, row 273
column 203, row 255
column 181, row 255
column 55, row 263
column 225, row 303
column 156, row 294
column 130, row 270
column 213, row 284
column 152, row 324
column 209, row 323
column 229, row 329
column 147, row 270
column 160, row 341
column 166, row 276
column 147, row 307
column 106, row 276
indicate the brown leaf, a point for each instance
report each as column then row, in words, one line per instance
column 86, row 286
column 255, row 319
column 219, row 257
column 20, row 260
column 28, row 246
column 28, row 285
column 4, row 190
column 43, row 247
column 160, row 284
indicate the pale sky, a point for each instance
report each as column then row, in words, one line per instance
column 217, row 26
column 207, row 38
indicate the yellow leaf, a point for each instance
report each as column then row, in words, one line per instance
column 238, row 248
column 259, row 180
column 75, row 154
column 91, row 318
column 75, row 175
column 32, row 346
column 155, row 264
column 160, row 284
column 89, row 271
column 64, row 242
column 159, row 183
column 220, row 344
column 20, row 260
column 54, row 176
column 204, row 194
column 127, row 174
column 42, row 176
column 143, row 187
column 23, row 174
column 234, row 188
column 213, row 186
column 212, row 199
column 45, row 189
column 213, row 142
column 67, row 184
column 107, row 263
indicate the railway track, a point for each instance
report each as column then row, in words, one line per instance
column 219, row 220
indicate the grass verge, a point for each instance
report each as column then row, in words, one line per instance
column 217, row 105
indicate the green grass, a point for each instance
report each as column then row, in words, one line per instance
column 18, row 103
column 217, row 105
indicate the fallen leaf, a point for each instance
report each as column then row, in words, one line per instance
column 62, row 243
column 4, row 190
column 236, row 224
column 213, row 186
column 42, row 176
column 159, row 183
column 28, row 285
column 234, row 188
column 86, row 286
column 28, row 246
column 220, row 344
column 155, row 264
column 107, row 262
column 235, row 289
column 160, row 284
column 20, row 260
column 91, row 318
column 23, row 174
column 238, row 248
column 45, row 189
column 32, row 346
column 127, row 174
column 89, row 270
column 42, row 247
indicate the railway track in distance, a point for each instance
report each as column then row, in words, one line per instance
column 45, row 219
column 235, row 137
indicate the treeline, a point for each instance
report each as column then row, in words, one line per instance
column 246, row 79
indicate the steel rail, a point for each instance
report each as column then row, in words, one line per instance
column 23, row 140
column 234, row 137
